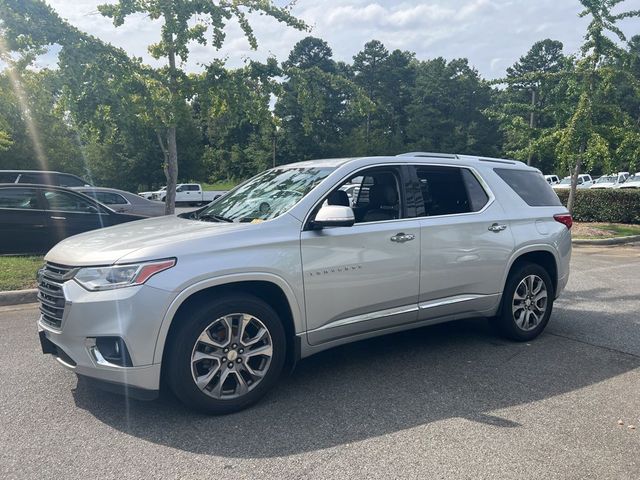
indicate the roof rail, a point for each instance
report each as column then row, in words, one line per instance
column 497, row 160
column 429, row 155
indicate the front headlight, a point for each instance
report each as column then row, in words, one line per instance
column 119, row 276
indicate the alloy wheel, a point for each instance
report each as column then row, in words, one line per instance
column 530, row 301
column 231, row 356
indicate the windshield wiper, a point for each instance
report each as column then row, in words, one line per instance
column 211, row 216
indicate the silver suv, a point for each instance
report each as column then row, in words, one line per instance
column 220, row 301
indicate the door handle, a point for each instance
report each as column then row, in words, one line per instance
column 402, row 237
column 496, row 227
column 58, row 218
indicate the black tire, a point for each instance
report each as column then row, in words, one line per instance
column 178, row 367
column 505, row 322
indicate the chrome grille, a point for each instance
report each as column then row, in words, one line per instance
column 50, row 294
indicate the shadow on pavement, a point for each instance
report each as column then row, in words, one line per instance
column 372, row 388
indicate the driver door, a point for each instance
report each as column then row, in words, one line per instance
column 363, row 278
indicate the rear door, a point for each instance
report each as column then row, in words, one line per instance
column 23, row 222
column 465, row 242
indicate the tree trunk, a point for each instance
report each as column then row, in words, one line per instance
column 532, row 122
column 171, row 164
column 171, row 171
column 574, row 181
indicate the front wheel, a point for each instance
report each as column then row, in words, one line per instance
column 527, row 302
column 226, row 355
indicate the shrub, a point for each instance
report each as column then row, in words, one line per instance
column 605, row 205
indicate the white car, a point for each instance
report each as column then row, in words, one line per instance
column 605, row 181
column 552, row 179
column 191, row 193
column 149, row 195
column 584, row 181
column 610, row 181
column 632, row 182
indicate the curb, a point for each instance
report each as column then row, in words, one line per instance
column 608, row 241
column 17, row 297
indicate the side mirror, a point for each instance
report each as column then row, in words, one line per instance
column 334, row 216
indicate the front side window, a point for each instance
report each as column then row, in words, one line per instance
column 373, row 194
column 19, row 198
column 68, row 202
column 265, row 196
column 449, row 191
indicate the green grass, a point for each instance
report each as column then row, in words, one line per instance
column 623, row 230
column 589, row 230
column 17, row 273
column 228, row 185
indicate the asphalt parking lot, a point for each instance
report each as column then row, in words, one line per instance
column 450, row 401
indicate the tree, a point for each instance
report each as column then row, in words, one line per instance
column 317, row 105
column 186, row 21
column 233, row 107
column 580, row 142
column 532, row 83
column 368, row 69
column 447, row 112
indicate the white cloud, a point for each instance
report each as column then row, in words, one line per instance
column 491, row 33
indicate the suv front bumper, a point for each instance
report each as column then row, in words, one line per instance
column 132, row 314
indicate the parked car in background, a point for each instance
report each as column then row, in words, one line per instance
column 610, row 181
column 149, row 195
column 552, row 179
column 190, row 193
column 42, row 177
column 33, row 218
column 605, row 181
column 123, row 202
column 216, row 303
column 631, row 182
column 584, row 181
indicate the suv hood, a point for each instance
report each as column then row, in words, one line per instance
column 107, row 245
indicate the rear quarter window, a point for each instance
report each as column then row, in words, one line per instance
column 530, row 186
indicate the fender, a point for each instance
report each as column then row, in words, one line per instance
column 296, row 311
column 536, row 247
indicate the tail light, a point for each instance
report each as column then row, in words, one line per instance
column 565, row 219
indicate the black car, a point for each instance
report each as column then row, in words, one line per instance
column 42, row 177
column 33, row 218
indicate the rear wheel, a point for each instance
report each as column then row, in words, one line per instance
column 226, row 355
column 527, row 302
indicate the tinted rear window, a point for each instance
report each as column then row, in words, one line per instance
column 530, row 186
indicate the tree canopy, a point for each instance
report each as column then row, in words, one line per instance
column 109, row 117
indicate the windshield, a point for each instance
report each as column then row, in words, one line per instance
column 606, row 180
column 264, row 197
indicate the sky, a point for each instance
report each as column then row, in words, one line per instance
column 492, row 34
